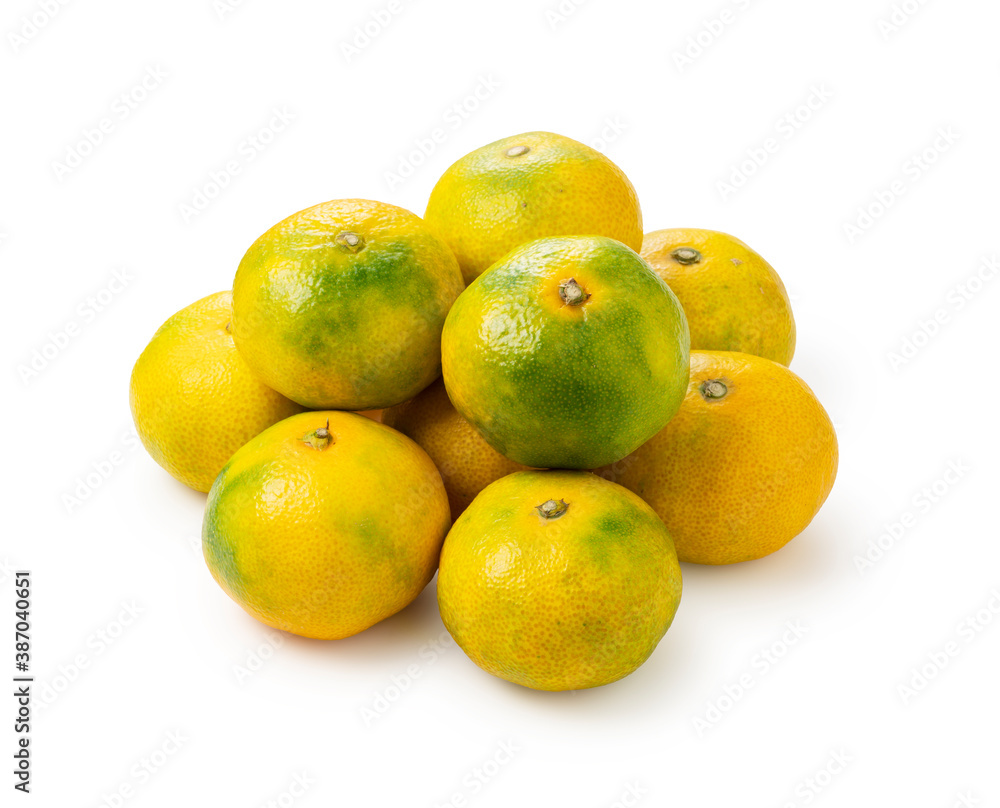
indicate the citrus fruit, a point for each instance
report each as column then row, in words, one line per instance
column 193, row 398
column 745, row 464
column 568, row 353
column 733, row 298
column 325, row 524
column 558, row 580
column 375, row 415
column 526, row 187
column 467, row 462
column 340, row 306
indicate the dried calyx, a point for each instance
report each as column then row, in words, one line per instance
column 713, row 389
column 351, row 242
column 572, row 293
column 320, row 438
column 552, row 509
column 686, row 255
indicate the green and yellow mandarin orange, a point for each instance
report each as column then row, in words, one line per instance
column 193, row 398
column 466, row 461
column 745, row 464
column 341, row 305
column 733, row 298
column 526, row 187
column 568, row 353
column 558, row 580
column 325, row 524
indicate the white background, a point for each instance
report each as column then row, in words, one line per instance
column 109, row 693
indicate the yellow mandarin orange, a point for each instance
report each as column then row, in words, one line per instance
column 558, row 580
column 568, row 353
column 325, row 524
column 733, row 298
column 743, row 467
column 193, row 398
column 526, row 187
column 466, row 461
column 340, row 306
